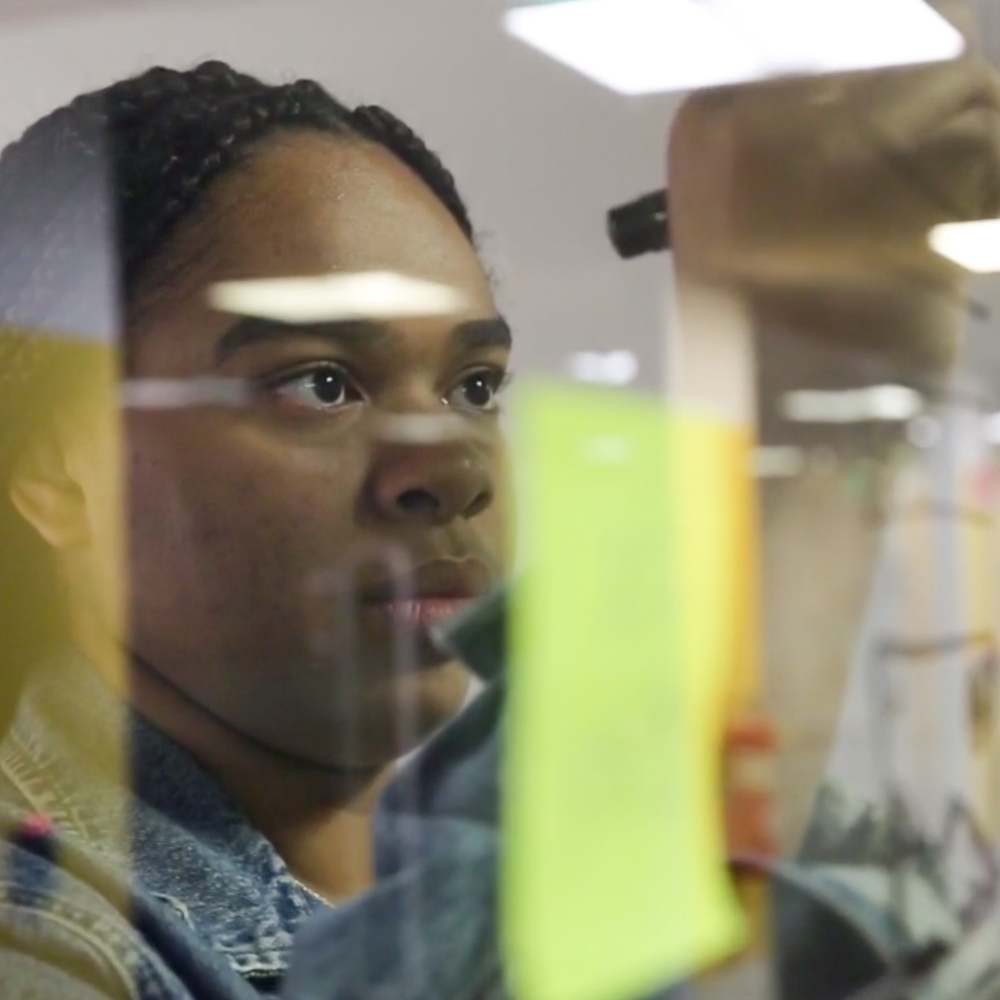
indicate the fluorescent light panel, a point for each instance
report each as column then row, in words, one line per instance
column 178, row 393
column 972, row 245
column 614, row 368
column 648, row 46
column 848, row 406
column 374, row 295
column 418, row 428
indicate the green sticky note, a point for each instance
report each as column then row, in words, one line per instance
column 614, row 881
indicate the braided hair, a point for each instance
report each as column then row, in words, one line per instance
column 155, row 143
column 89, row 197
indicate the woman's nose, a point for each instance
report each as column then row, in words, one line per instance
column 430, row 485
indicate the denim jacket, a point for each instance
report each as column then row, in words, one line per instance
column 159, row 888
column 156, row 887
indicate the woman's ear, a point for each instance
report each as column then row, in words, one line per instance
column 47, row 496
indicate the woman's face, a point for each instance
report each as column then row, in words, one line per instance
column 267, row 540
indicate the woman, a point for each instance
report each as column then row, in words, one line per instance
column 273, row 557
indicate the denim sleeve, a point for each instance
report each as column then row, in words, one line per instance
column 28, row 978
column 57, row 938
column 883, row 900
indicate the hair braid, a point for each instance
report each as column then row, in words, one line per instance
column 137, row 157
column 385, row 128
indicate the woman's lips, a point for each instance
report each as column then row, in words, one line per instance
column 420, row 613
column 427, row 592
column 414, row 604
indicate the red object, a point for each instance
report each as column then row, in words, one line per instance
column 750, row 747
column 37, row 827
column 751, row 734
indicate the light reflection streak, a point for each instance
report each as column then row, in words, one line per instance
column 180, row 393
column 336, row 632
column 418, row 428
column 367, row 295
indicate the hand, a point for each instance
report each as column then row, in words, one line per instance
column 789, row 181
column 811, row 201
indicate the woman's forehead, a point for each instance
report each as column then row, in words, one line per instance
column 306, row 204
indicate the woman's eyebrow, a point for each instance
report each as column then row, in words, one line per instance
column 341, row 333
column 479, row 334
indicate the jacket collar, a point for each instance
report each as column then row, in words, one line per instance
column 71, row 751
column 479, row 637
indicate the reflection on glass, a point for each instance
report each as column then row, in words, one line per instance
column 265, row 657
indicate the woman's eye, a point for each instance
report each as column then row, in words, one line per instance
column 479, row 390
column 328, row 387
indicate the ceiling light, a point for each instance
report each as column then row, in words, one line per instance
column 613, row 368
column 972, row 245
column 374, row 295
column 648, row 46
column 848, row 406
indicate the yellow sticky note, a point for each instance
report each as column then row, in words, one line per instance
column 622, row 648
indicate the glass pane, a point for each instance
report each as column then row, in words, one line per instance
column 336, row 665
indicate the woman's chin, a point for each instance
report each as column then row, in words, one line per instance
column 389, row 723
